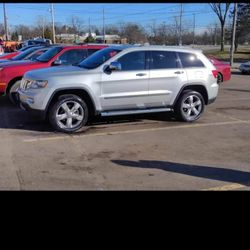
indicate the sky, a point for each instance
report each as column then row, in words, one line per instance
column 115, row 13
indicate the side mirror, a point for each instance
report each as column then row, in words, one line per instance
column 115, row 66
column 57, row 62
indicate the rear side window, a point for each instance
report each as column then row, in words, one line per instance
column 73, row 57
column 190, row 60
column 133, row 61
column 163, row 60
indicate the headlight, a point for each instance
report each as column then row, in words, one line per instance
column 37, row 84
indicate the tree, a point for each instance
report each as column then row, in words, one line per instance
column 242, row 23
column 133, row 32
column 14, row 36
column 77, row 24
column 221, row 10
column 89, row 39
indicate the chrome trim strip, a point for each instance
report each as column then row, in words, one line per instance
column 129, row 112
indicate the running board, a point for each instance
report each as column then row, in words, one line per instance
column 131, row 112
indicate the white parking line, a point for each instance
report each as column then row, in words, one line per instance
column 137, row 131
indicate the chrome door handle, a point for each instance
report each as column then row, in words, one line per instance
column 179, row 72
column 140, row 74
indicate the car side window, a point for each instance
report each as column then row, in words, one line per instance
column 189, row 60
column 163, row 60
column 92, row 51
column 133, row 61
column 73, row 56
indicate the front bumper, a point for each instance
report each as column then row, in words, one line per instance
column 25, row 102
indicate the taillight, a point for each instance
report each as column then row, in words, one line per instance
column 215, row 73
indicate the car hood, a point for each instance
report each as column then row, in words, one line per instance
column 55, row 71
column 19, row 63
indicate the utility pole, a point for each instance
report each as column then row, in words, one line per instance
column 233, row 35
column 180, row 34
column 103, row 15
column 53, row 23
column 5, row 23
column 193, row 28
column 43, row 28
column 89, row 28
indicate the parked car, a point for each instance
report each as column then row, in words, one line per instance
column 245, row 67
column 224, row 70
column 11, row 73
column 36, row 42
column 122, row 80
column 15, row 53
column 27, row 54
column 9, row 55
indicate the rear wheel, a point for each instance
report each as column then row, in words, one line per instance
column 13, row 92
column 68, row 114
column 190, row 106
column 219, row 78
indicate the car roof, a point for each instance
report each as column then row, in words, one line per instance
column 85, row 46
column 156, row 47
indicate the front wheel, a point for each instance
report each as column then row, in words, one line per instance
column 13, row 92
column 68, row 114
column 190, row 106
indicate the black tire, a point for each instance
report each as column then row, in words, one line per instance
column 12, row 92
column 219, row 78
column 68, row 99
column 179, row 110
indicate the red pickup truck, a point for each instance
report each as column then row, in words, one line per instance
column 11, row 73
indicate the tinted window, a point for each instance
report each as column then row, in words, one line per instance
column 92, row 51
column 48, row 55
column 163, row 60
column 189, row 60
column 133, row 61
column 73, row 56
column 98, row 58
column 24, row 54
column 35, row 54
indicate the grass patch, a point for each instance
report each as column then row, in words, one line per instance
column 242, row 55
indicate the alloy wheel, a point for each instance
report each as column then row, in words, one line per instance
column 69, row 115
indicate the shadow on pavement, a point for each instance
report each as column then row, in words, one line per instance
column 212, row 173
column 239, row 73
column 238, row 90
column 12, row 117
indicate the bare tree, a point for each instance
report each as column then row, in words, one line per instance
column 77, row 24
column 221, row 10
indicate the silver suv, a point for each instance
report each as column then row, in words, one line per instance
column 122, row 80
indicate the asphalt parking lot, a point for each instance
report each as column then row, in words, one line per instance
column 152, row 152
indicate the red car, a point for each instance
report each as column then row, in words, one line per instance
column 11, row 73
column 10, row 55
column 224, row 70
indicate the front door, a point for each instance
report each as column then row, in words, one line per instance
column 127, row 88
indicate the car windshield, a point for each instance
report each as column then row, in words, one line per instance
column 98, row 58
column 33, row 56
column 24, row 54
column 48, row 55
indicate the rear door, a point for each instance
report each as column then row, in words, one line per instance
column 194, row 67
column 166, row 78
